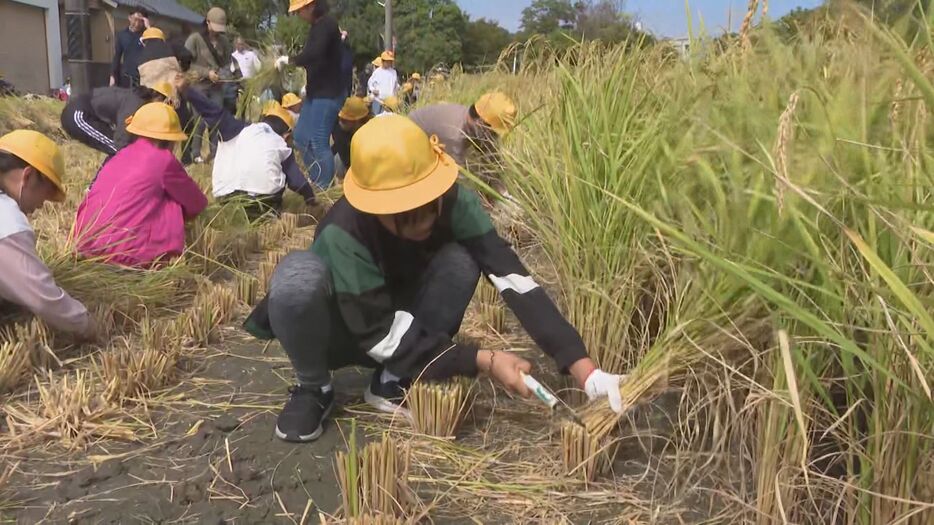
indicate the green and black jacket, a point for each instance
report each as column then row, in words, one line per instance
column 370, row 267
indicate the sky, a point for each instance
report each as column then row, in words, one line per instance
column 664, row 18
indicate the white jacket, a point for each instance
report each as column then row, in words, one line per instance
column 383, row 83
column 250, row 162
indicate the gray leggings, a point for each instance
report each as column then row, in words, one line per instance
column 304, row 317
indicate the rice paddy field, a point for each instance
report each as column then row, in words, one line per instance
column 748, row 232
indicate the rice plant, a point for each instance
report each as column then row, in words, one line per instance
column 373, row 480
column 438, row 409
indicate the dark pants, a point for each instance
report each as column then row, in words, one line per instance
column 304, row 317
column 256, row 206
column 215, row 95
column 81, row 124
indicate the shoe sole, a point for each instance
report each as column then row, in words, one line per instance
column 384, row 405
column 309, row 437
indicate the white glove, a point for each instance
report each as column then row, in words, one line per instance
column 601, row 384
column 281, row 62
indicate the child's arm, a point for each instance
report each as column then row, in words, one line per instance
column 214, row 115
column 183, row 190
column 296, row 180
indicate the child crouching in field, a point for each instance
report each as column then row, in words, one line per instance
column 135, row 211
column 387, row 282
column 254, row 161
column 31, row 172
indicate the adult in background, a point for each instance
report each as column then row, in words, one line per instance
column 324, row 91
column 346, row 63
column 383, row 82
column 211, row 55
column 462, row 129
column 31, row 171
column 246, row 58
column 124, row 71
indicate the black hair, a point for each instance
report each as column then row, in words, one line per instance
column 277, row 124
column 320, row 8
column 9, row 162
column 148, row 94
column 139, row 11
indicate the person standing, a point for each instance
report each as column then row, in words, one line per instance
column 246, row 58
column 31, row 171
column 384, row 82
column 124, row 70
column 211, row 55
column 324, row 91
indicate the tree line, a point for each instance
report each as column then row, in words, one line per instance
column 433, row 32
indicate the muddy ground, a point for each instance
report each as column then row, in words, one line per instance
column 212, row 457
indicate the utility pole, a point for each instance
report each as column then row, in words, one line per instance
column 387, row 41
column 78, row 46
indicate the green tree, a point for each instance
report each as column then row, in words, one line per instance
column 483, row 41
column 250, row 18
column 548, row 17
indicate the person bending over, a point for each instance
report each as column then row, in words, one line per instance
column 254, row 161
column 351, row 118
column 387, row 281
column 98, row 120
column 32, row 169
column 135, row 211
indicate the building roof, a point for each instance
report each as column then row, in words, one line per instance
column 167, row 8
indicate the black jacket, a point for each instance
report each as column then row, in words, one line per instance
column 127, row 52
column 321, row 58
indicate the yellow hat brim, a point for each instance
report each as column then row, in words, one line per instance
column 296, row 7
column 407, row 198
column 174, row 136
column 347, row 116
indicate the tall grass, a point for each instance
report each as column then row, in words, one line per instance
column 786, row 183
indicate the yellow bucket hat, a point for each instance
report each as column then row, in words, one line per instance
column 275, row 109
column 396, row 168
column 153, row 32
column 295, row 5
column 498, row 111
column 378, row 62
column 388, row 55
column 156, row 120
column 290, row 100
column 40, row 152
column 392, row 103
column 164, row 88
column 355, row 108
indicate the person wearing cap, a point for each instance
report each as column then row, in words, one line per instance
column 98, row 119
column 416, row 81
column 408, row 93
column 254, row 162
column 124, row 69
column 211, row 56
column 384, row 82
column 352, row 117
column 160, row 60
column 391, row 106
column 324, row 89
column 246, row 58
column 462, row 129
column 32, row 169
column 387, row 281
column 135, row 211
column 293, row 104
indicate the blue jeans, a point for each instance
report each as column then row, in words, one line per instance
column 376, row 107
column 313, row 138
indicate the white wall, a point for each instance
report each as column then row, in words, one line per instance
column 53, row 38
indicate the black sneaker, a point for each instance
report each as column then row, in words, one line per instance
column 386, row 397
column 302, row 418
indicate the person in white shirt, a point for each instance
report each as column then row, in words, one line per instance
column 246, row 58
column 384, row 82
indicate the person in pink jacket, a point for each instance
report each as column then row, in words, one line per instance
column 135, row 211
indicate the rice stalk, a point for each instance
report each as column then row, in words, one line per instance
column 439, row 409
column 14, row 365
column 373, row 480
column 247, row 289
column 782, row 149
column 746, row 26
column 212, row 307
